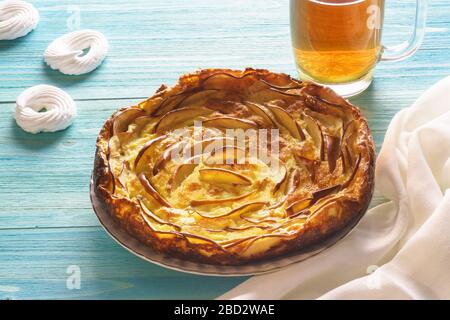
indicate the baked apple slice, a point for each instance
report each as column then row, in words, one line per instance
column 226, row 122
column 170, row 120
column 218, row 175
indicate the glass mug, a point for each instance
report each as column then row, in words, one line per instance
column 338, row 42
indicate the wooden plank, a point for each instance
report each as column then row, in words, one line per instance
column 34, row 265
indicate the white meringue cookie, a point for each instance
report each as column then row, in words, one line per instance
column 59, row 109
column 66, row 52
column 17, row 18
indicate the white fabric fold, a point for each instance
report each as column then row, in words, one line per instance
column 400, row 249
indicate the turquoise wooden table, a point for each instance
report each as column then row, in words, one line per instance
column 48, row 230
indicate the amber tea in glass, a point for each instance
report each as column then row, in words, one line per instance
column 338, row 42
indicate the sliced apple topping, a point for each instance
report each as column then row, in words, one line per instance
column 219, row 80
column 153, row 216
column 300, row 130
column 309, row 165
column 169, row 103
column 248, row 227
column 287, row 93
column 285, row 120
column 195, row 97
column 316, row 195
column 289, row 86
column 208, row 146
column 170, row 120
column 119, row 175
column 218, row 175
column 294, row 181
column 262, row 112
column 204, row 202
column 315, row 132
column 348, row 139
column 333, row 151
column 146, row 153
column 238, row 212
column 226, row 155
column 180, row 174
column 349, row 130
column 259, row 221
column 324, row 100
column 281, row 177
column 175, row 149
column 248, row 208
column 230, row 123
column 333, row 125
column 150, row 189
column 123, row 118
column 354, row 171
column 298, row 206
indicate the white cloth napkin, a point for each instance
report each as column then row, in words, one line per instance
column 400, row 249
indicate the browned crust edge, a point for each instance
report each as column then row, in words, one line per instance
column 323, row 225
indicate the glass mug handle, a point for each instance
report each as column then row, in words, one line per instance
column 408, row 48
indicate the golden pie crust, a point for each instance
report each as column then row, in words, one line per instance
column 196, row 206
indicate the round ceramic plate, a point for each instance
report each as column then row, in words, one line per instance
column 167, row 261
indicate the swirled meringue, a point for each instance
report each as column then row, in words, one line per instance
column 66, row 53
column 59, row 109
column 17, row 18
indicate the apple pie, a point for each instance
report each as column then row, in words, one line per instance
column 228, row 166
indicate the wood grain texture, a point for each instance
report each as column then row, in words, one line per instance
column 46, row 220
